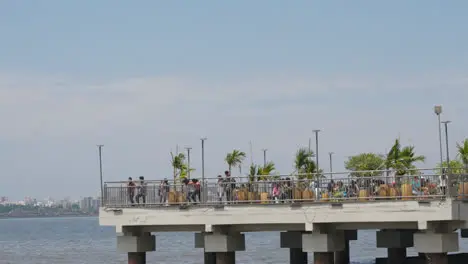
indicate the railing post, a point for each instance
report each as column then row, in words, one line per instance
column 449, row 182
column 104, row 195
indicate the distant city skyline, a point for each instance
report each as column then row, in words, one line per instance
column 77, row 74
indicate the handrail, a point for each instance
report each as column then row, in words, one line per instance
column 350, row 188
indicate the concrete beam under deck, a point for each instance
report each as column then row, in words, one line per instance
column 366, row 215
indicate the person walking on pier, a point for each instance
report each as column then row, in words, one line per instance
column 131, row 190
column 197, row 191
column 220, row 188
column 230, row 185
column 141, row 188
column 163, row 191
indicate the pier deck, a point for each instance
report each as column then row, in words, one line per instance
column 409, row 211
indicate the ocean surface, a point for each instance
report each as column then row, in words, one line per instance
column 80, row 240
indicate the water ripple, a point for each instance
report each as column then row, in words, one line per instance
column 83, row 241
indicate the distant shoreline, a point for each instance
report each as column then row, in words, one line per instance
column 46, row 216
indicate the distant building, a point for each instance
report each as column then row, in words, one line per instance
column 66, row 204
column 95, row 204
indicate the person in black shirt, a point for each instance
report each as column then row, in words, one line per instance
column 230, row 186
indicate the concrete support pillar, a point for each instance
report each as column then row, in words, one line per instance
column 226, row 257
column 209, row 257
column 324, row 245
column 293, row 241
column 436, row 258
column 220, row 248
column 396, row 255
column 136, row 245
column 436, row 246
column 324, row 257
column 396, row 242
column 464, row 233
column 342, row 257
column 297, row 256
column 137, row 258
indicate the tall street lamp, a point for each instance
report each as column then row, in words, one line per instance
column 438, row 112
column 330, row 154
column 264, row 157
column 100, row 173
column 449, row 173
column 203, row 165
column 446, row 141
column 188, row 161
column 316, row 131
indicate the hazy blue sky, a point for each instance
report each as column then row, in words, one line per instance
column 143, row 76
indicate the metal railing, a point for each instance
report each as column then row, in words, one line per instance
column 362, row 186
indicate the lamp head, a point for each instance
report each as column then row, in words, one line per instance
column 438, row 109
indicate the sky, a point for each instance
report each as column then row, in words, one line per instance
column 143, row 77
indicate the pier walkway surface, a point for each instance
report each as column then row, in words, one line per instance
column 314, row 213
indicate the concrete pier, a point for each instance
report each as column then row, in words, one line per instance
column 293, row 241
column 342, row 257
column 436, row 245
column 437, row 258
column 226, row 257
column 297, row 256
column 136, row 243
column 396, row 242
column 323, row 228
column 136, row 258
column 220, row 246
column 209, row 257
column 324, row 258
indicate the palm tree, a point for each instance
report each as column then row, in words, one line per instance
column 265, row 171
column 183, row 171
column 252, row 172
column 177, row 162
column 462, row 149
column 235, row 158
column 402, row 159
column 304, row 164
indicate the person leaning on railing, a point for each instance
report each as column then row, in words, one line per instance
column 286, row 188
column 131, row 190
column 220, row 188
column 353, row 189
column 141, row 190
column 443, row 181
column 163, row 191
column 230, row 186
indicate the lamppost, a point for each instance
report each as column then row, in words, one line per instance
column 100, row 173
column 188, row 161
column 264, row 157
column 331, row 164
column 203, row 159
column 316, row 131
column 449, row 173
column 438, row 112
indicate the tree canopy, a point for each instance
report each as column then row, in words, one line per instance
column 369, row 162
column 462, row 152
column 179, row 166
column 304, row 164
column 234, row 158
column 456, row 166
column 402, row 159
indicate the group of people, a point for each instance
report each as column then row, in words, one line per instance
column 226, row 187
column 191, row 189
column 281, row 190
column 137, row 190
